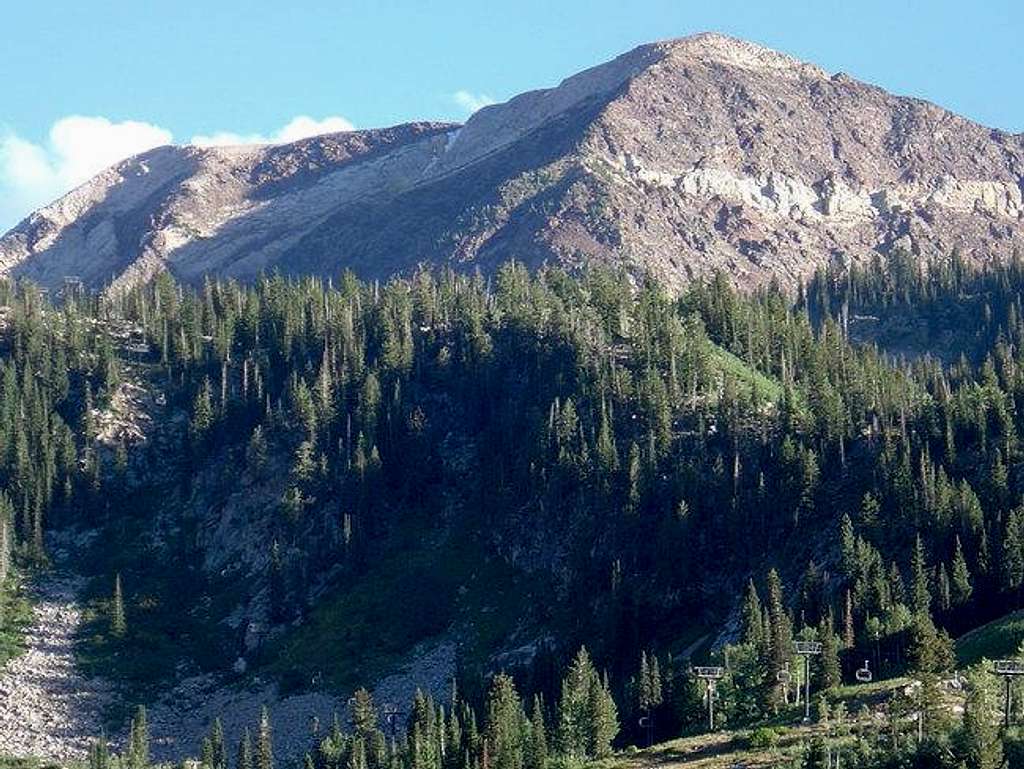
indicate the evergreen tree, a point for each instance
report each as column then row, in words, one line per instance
column 118, row 622
column 981, row 745
column 364, row 713
column 99, row 753
column 781, row 631
column 831, row 669
column 929, row 650
column 961, row 589
column 202, row 413
column 848, row 630
column 256, row 453
column 574, row 727
column 943, row 589
column 264, row 742
column 815, row 755
column 244, row 758
column 649, row 690
column 1013, row 551
column 848, row 546
column 138, row 741
column 588, row 717
column 5, row 541
column 537, row 747
column 506, row 724
column 278, row 610
column 218, row 749
column 921, row 596
column 751, row 619
column 604, row 718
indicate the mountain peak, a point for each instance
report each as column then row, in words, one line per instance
column 716, row 48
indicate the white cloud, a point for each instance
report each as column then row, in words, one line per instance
column 300, row 127
column 78, row 147
column 471, row 102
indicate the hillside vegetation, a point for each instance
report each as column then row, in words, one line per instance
column 295, row 477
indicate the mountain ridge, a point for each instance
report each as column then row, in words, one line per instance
column 678, row 159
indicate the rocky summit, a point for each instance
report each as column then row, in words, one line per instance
column 677, row 159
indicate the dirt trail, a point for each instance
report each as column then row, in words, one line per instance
column 47, row 708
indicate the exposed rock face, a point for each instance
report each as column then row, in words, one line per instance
column 678, row 158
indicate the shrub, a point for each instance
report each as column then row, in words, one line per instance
column 763, row 737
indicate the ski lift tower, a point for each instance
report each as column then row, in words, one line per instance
column 807, row 649
column 710, row 676
column 1008, row 669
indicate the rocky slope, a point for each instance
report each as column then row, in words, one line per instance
column 50, row 711
column 47, row 708
column 678, row 158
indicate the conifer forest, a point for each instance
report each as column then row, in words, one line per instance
column 644, row 483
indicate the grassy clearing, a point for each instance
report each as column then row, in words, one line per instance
column 768, row 389
column 15, row 615
column 999, row 638
column 26, row 763
column 718, row 750
column 730, row 748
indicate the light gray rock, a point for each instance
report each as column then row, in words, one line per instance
column 48, row 709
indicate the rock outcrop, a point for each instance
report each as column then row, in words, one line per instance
column 679, row 158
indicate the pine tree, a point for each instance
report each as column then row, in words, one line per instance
column 848, row 547
column 264, row 742
column 99, row 753
column 244, row 759
column 751, row 620
column 982, row 747
column 506, row 724
column 649, row 692
column 573, row 724
column 831, row 669
column 277, row 586
column 537, row 748
column 815, row 755
column 202, row 413
column 5, row 543
column 118, row 622
column 781, row 629
column 848, row 630
column 256, row 453
column 364, row 713
column 357, row 755
column 604, row 718
column 1013, row 551
column 587, row 715
column 811, row 591
column 961, row 588
column 206, row 758
column 943, row 589
column 920, row 596
column 138, row 741
column 218, row 749
column 870, row 510
column 929, row 650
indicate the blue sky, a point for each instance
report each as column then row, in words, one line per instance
column 137, row 73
